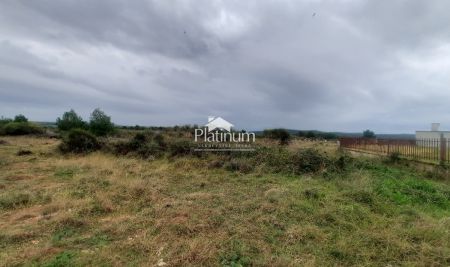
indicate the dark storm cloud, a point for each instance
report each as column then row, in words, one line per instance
column 329, row 65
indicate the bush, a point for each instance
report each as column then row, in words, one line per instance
column 70, row 120
column 394, row 157
column 100, row 124
column 159, row 139
column 343, row 162
column 20, row 118
column 4, row 121
column 240, row 165
column 275, row 159
column 180, row 148
column 282, row 135
column 24, row 152
column 21, row 128
column 79, row 141
column 141, row 145
column 368, row 134
column 309, row 160
column 310, row 134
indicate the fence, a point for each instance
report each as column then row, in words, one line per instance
column 430, row 150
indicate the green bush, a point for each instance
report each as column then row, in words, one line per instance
column 394, row 157
column 21, row 128
column 282, row 135
column 310, row 134
column 4, row 121
column 141, row 145
column 343, row 162
column 159, row 139
column 240, row 165
column 180, row 148
column 274, row 159
column 20, row 118
column 70, row 120
column 100, row 124
column 368, row 134
column 79, row 141
column 309, row 160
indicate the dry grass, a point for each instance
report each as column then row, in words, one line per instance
column 426, row 154
column 100, row 209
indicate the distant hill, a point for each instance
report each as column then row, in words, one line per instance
column 380, row 136
column 347, row 134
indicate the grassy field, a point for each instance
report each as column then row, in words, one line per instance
column 103, row 210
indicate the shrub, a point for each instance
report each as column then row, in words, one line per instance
column 275, row 159
column 4, row 121
column 79, row 141
column 150, row 150
column 343, row 162
column 180, row 148
column 394, row 157
column 309, row 160
column 368, row 134
column 282, row 135
column 70, row 120
column 159, row 139
column 23, row 152
column 100, row 124
column 240, row 165
column 310, row 134
column 20, row 118
column 141, row 145
column 21, row 128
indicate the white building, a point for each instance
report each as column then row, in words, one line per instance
column 430, row 138
column 434, row 133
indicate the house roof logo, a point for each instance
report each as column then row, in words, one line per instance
column 218, row 123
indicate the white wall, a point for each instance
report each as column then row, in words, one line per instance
column 435, row 135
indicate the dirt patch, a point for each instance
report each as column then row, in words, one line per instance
column 18, row 177
column 23, row 152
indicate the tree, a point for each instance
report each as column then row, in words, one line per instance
column 310, row 134
column 4, row 121
column 368, row 134
column 100, row 124
column 79, row 141
column 70, row 120
column 281, row 134
column 20, row 118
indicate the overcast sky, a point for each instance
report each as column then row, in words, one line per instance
column 328, row 65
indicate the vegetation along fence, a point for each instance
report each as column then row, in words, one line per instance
column 430, row 150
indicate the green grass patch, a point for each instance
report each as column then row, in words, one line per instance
column 65, row 173
column 63, row 259
column 414, row 191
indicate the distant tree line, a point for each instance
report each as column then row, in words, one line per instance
column 284, row 136
column 99, row 123
column 317, row 135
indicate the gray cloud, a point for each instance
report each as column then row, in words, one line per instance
column 353, row 65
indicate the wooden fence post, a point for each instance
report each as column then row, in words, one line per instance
column 443, row 148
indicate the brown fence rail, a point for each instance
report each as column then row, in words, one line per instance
column 430, row 150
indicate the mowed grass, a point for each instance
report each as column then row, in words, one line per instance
column 103, row 210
